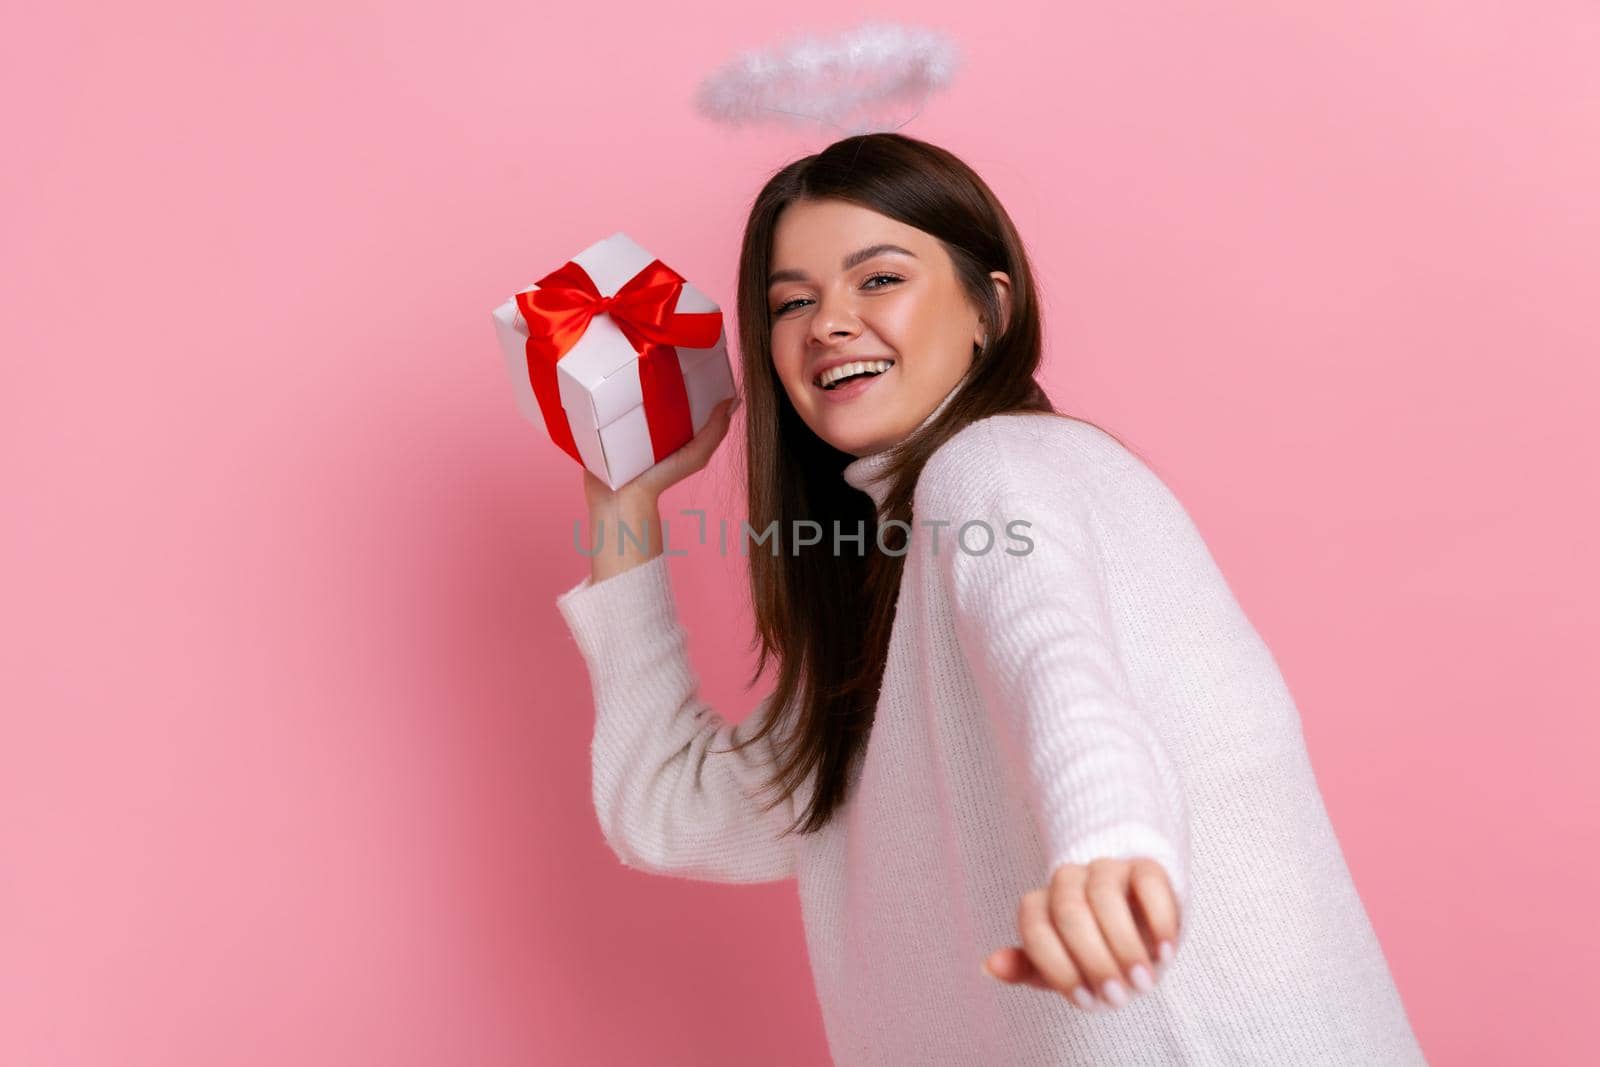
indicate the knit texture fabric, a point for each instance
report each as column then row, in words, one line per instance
column 1100, row 693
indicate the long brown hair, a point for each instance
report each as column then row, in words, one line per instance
column 826, row 616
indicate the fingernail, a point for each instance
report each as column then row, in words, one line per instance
column 1140, row 977
column 1114, row 993
column 1164, row 954
column 1082, row 998
column 986, row 969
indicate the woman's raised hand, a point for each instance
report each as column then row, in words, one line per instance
column 1100, row 927
column 690, row 457
column 636, row 506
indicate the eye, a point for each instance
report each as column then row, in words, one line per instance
column 891, row 278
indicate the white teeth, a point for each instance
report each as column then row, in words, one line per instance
column 843, row 370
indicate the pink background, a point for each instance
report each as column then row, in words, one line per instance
column 295, row 752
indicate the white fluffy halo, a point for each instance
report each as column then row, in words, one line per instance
column 846, row 81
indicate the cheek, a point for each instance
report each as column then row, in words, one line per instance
column 901, row 322
column 926, row 316
column 921, row 330
column 787, row 357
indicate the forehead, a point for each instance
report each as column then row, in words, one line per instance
column 814, row 235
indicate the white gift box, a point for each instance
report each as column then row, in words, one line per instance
column 598, row 378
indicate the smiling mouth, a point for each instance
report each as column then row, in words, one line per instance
column 845, row 373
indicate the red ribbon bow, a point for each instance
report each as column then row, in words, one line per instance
column 558, row 313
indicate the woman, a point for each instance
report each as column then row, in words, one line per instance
column 1042, row 787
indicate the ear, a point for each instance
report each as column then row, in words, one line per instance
column 1002, row 287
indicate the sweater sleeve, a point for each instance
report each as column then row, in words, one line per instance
column 1036, row 631
column 669, row 800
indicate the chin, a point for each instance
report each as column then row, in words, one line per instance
column 857, row 429
column 858, row 439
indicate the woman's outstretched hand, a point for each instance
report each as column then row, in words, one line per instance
column 1097, row 928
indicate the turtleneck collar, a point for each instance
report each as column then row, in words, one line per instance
column 868, row 473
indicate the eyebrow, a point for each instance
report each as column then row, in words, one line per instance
column 856, row 258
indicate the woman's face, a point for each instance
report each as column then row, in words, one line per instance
column 828, row 305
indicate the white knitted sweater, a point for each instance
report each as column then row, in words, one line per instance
column 1102, row 694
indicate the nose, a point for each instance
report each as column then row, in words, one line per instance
column 834, row 321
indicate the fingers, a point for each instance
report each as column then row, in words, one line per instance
column 694, row 453
column 710, row 435
column 1097, row 929
column 1077, row 896
column 1156, row 906
column 1045, row 951
column 1118, row 959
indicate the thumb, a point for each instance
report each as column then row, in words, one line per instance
column 1013, row 965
